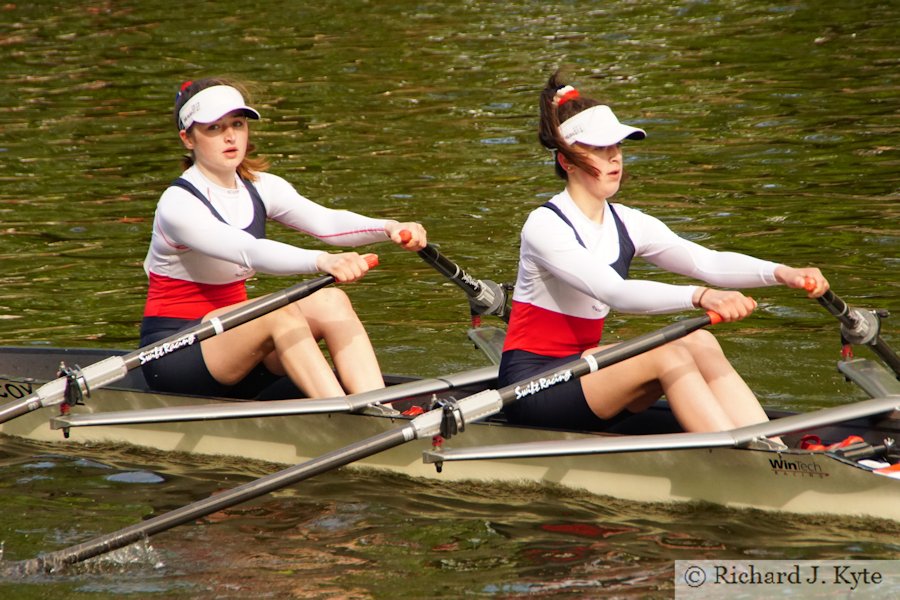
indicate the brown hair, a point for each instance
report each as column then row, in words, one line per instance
column 553, row 113
column 250, row 164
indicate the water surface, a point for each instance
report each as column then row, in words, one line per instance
column 771, row 130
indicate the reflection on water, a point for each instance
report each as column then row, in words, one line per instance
column 771, row 131
column 359, row 534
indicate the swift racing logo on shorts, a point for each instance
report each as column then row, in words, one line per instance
column 167, row 348
column 536, row 385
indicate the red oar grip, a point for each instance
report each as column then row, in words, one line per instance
column 405, row 235
column 714, row 317
column 809, row 284
column 371, row 260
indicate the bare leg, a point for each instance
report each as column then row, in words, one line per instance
column 282, row 339
column 331, row 318
column 735, row 396
column 637, row 382
column 286, row 340
column 703, row 389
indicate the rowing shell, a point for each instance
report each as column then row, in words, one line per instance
column 793, row 481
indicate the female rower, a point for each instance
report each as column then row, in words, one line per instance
column 209, row 238
column 573, row 269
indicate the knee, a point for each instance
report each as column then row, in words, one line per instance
column 327, row 303
column 701, row 341
column 702, row 336
column 333, row 298
column 292, row 317
column 677, row 351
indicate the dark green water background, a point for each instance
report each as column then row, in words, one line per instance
column 772, row 131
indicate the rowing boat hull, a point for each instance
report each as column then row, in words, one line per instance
column 794, row 481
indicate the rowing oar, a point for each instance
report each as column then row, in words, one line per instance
column 486, row 297
column 740, row 437
column 369, row 401
column 860, row 327
column 449, row 420
column 114, row 368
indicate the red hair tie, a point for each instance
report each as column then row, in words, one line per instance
column 565, row 94
column 183, row 87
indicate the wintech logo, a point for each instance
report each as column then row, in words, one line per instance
column 797, row 468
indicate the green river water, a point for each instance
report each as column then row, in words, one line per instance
column 772, row 129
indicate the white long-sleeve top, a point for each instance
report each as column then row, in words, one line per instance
column 564, row 290
column 189, row 244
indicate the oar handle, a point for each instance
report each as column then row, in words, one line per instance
column 486, row 297
column 371, row 260
column 858, row 326
column 114, row 368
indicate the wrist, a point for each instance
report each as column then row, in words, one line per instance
column 782, row 273
column 389, row 226
column 320, row 262
column 698, row 301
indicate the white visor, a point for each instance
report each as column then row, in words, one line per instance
column 598, row 126
column 212, row 104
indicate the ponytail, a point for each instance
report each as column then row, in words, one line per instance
column 558, row 102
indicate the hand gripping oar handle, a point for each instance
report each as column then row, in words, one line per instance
column 859, row 327
column 486, row 297
column 471, row 408
column 114, row 368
